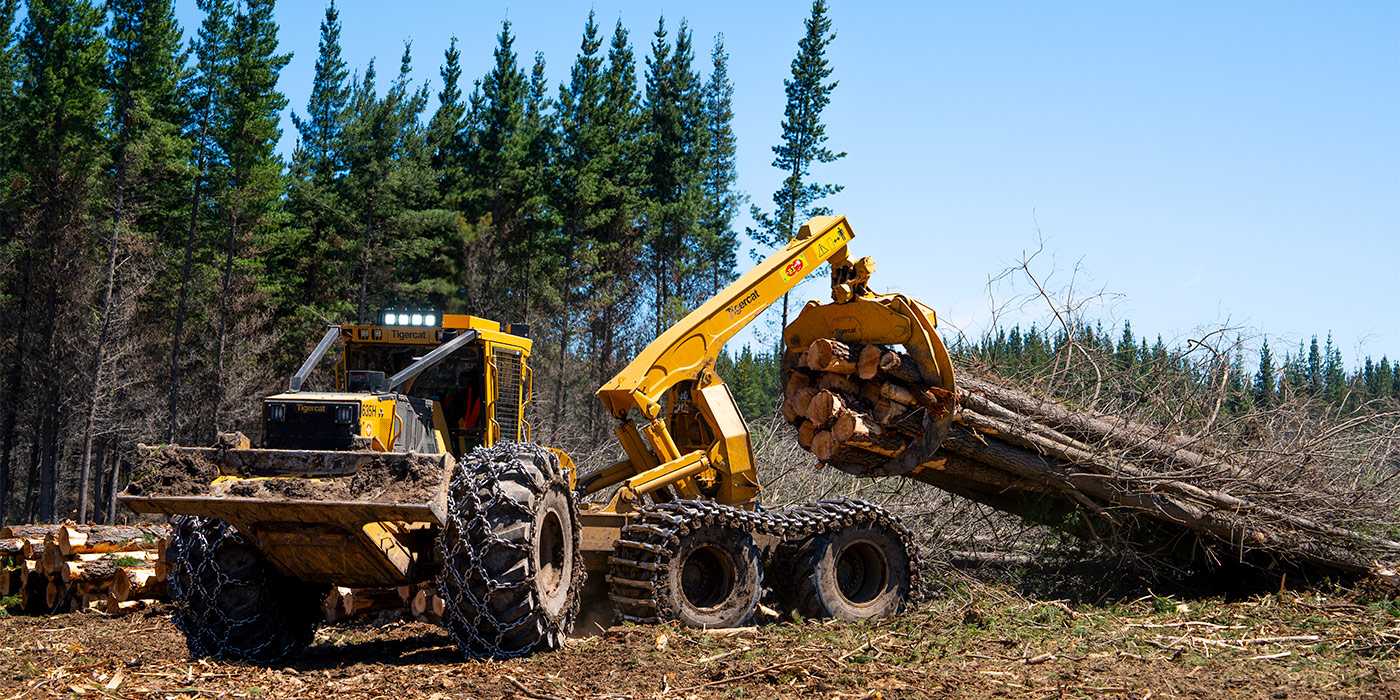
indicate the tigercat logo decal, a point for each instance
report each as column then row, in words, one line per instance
column 736, row 309
column 310, row 408
column 793, row 268
column 409, row 335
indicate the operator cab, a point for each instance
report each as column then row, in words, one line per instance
column 416, row 381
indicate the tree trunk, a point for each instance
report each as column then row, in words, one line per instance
column 360, row 315
column 12, row 390
column 183, row 296
column 95, row 374
column 115, row 489
column 48, row 428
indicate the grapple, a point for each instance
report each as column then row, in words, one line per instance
column 857, row 316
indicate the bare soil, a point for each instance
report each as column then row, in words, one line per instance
column 389, row 478
column 170, row 472
column 972, row 641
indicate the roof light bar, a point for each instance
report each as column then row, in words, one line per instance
column 417, row 318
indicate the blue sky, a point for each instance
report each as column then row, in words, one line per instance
column 1211, row 163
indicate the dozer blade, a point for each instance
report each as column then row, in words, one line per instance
column 346, row 542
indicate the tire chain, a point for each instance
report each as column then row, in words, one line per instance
column 197, row 582
column 468, row 617
column 636, row 579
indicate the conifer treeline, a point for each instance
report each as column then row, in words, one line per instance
column 1314, row 374
column 162, row 266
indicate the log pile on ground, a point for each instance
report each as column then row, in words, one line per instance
column 50, row 569
column 419, row 602
column 1104, row 478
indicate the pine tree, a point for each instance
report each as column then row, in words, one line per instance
column 144, row 80
column 1314, row 369
column 9, row 73
column 59, row 110
column 444, row 130
column 1265, row 391
column 1334, row 378
column 718, row 241
column 578, row 194
column 250, row 204
column 207, row 89
column 1126, row 354
column 498, row 177
column 308, row 263
column 674, row 172
column 14, row 260
column 804, row 139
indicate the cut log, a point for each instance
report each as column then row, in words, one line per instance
column 422, row 604
column 134, row 584
column 796, row 380
column 50, row 560
column 827, row 355
column 57, row 595
column 898, row 394
column 33, row 549
column 10, row 581
column 825, row 408
column 87, row 571
column 103, row 538
column 802, row 399
column 331, row 607
column 870, row 392
column 868, row 364
column 839, row 383
column 887, row 411
column 789, row 411
column 853, row 429
column 901, row 367
column 27, row 531
column 11, row 546
column 126, row 607
column 362, row 601
column 805, row 433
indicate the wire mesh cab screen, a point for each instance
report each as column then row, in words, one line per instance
column 509, row 385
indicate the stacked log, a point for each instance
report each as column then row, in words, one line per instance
column 419, row 602
column 69, row 567
column 858, row 408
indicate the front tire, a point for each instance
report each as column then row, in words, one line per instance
column 511, row 569
column 230, row 602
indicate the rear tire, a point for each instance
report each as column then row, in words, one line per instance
column 860, row 572
column 511, row 570
column 689, row 561
column 229, row 600
column 713, row 581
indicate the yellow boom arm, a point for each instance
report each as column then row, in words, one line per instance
column 692, row 437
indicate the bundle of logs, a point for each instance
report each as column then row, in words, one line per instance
column 50, row 569
column 418, row 601
column 1104, row 478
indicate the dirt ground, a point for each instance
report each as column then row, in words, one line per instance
column 972, row 641
column 388, row 478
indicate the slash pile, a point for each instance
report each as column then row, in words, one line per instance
column 64, row 568
column 1101, row 477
